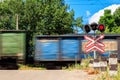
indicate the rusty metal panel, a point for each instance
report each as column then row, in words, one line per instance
column 118, row 47
column 110, row 45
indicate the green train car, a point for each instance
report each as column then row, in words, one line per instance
column 12, row 44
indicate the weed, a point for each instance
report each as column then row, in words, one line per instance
column 106, row 75
column 30, row 67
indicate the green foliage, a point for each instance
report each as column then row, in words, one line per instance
column 112, row 22
column 43, row 16
column 107, row 20
column 116, row 16
column 116, row 29
column 8, row 9
column 78, row 21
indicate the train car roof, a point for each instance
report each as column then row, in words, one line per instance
column 108, row 36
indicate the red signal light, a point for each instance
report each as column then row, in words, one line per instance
column 101, row 28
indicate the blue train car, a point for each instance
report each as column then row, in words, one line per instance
column 68, row 47
column 59, row 48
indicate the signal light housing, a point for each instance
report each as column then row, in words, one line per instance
column 101, row 28
column 94, row 26
column 87, row 28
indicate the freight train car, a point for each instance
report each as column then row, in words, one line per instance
column 70, row 47
column 12, row 47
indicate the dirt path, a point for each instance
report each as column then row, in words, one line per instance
column 45, row 75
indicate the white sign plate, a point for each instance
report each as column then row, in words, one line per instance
column 103, row 64
column 96, row 64
column 112, row 73
column 112, row 60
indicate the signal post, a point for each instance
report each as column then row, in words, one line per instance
column 94, row 43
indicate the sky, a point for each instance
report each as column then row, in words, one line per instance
column 91, row 10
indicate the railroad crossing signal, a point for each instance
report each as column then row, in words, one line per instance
column 94, row 27
column 94, row 44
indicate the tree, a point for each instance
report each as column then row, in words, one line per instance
column 76, row 24
column 116, row 16
column 43, row 16
column 108, row 20
column 112, row 22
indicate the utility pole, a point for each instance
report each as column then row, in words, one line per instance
column 17, row 22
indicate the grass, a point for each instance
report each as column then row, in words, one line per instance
column 78, row 66
column 85, row 66
column 72, row 67
column 106, row 76
column 31, row 67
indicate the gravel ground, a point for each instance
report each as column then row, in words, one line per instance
column 45, row 75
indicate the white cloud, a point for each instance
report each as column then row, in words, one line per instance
column 96, row 16
column 88, row 13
